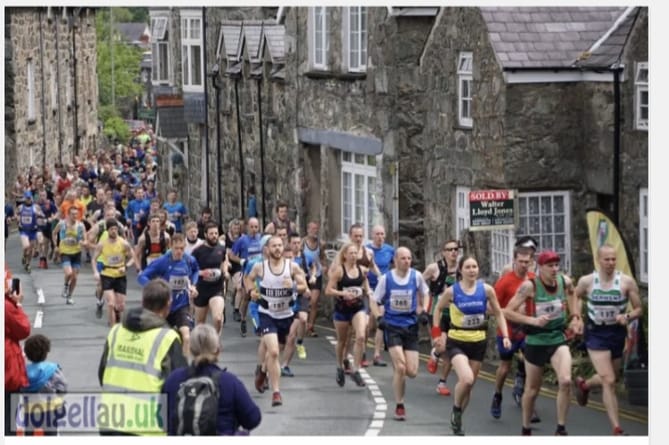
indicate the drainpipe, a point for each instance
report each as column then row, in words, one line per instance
column 262, row 152
column 75, row 119
column 217, row 87
column 241, row 152
column 206, row 105
column 616, row 143
column 60, row 118
column 41, row 56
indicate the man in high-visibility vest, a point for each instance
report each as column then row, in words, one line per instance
column 138, row 355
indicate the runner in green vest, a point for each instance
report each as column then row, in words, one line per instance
column 546, row 299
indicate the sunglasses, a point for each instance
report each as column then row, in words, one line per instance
column 451, row 249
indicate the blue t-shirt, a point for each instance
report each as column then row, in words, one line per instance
column 247, row 247
column 383, row 257
column 179, row 274
column 177, row 207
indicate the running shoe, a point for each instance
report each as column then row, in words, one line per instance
column 66, row 291
column 357, row 378
column 456, row 423
column 518, row 389
column 525, row 431
column 98, row 309
column 496, row 406
column 400, row 413
column 617, row 431
column 260, row 379
column 347, row 366
column 242, row 328
column 442, row 389
column 364, row 363
column 286, row 372
column 581, row 391
column 378, row 361
column 432, row 365
column 237, row 316
column 312, row 333
column 69, row 300
column 341, row 377
column 561, row 432
column 535, row 417
column 301, row 352
column 276, row 399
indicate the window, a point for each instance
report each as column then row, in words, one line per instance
column 545, row 217
column 641, row 96
column 319, row 41
column 191, row 51
column 355, row 29
column 461, row 210
column 465, row 80
column 643, row 234
column 160, row 56
column 501, row 249
column 358, row 182
column 31, row 91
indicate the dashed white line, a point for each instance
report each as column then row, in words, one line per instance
column 381, row 407
column 38, row 320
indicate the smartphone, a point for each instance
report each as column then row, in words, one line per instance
column 16, row 285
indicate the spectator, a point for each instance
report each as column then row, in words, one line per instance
column 237, row 412
column 17, row 328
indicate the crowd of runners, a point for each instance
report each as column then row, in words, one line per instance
column 103, row 209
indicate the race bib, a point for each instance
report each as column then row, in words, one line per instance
column 400, row 300
column 136, row 217
column 178, row 282
column 26, row 220
column 552, row 309
column 70, row 241
column 41, row 222
column 172, row 216
column 150, row 260
column 115, row 260
column 278, row 306
column 212, row 277
column 473, row 320
column 606, row 314
column 355, row 290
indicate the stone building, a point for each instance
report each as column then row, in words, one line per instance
column 51, row 91
column 392, row 115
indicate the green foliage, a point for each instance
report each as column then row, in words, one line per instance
column 106, row 112
column 139, row 15
column 117, row 129
column 126, row 59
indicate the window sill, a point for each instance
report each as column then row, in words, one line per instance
column 463, row 127
column 318, row 74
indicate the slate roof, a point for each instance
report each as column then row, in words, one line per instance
column 232, row 36
column 171, row 123
column 535, row 37
column 131, row 32
column 252, row 38
column 610, row 50
column 275, row 40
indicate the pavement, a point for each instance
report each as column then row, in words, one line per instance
column 313, row 403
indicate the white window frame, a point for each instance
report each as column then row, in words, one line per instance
column 643, row 235
column 501, row 249
column 465, row 73
column 361, row 166
column 160, row 42
column 355, row 34
column 640, row 87
column 462, row 219
column 318, row 19
column 30, row 75
column 189, row 41
column 541, row 236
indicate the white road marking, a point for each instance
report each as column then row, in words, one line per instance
column 38, row 320
column 40, row 296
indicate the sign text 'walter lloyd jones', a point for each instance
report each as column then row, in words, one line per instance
column 492, row 209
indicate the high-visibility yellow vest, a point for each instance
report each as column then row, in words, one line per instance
column 134, row 366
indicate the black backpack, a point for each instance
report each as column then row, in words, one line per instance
column 197, row 404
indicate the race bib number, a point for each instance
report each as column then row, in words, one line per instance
column 278, row 306
column 179, row 282
column 115, row 260
column 355, row 290
column 172, row 216
column 41, row 222
column 400, row 300
column 70, row 241
column 606, row 314
column 212, row 275
column 473, row 320
column 552, row 309
column 136, row 217
column 26, row 220
column 150, row 260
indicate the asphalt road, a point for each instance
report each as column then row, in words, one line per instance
column 314, row 405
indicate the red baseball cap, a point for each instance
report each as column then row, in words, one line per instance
column 548, row 256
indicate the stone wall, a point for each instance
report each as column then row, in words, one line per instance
column 52, row 46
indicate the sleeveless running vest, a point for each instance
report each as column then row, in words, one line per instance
column 277, row 290
column 354, row 285
column 604, row 305
column 113, row 258
column 312, row 256
column 468, row 314
column 444, row 280
column 400, row 301
column 28, row 219
column 552, row 305
column 153, row 250
column 70, row 237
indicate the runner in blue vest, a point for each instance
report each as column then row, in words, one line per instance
column 403, row 294
column 383, row 257
column 181, row 271
column 246, row 247
column 28, row 213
